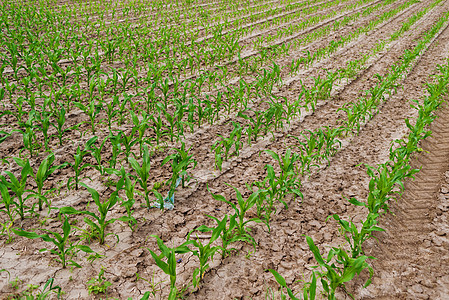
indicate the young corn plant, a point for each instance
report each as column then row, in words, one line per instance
column 268, row 190
column 309, row 152
column 103, row 208
column 331, row 140
column 92, row 110
column 169, row 267
column 116, row 149
column 287, row 180
column 128, row 141
column 275, row 188
column 95, row 152
column 343, row 268
column 180, row 161
column 111, row 111
column 64, row 247
column 309, row 289
column 205, row 252
column 142, row 126
column 8, row 202
column 381, row 186
column 34, row 293
column 44, row 119
column 59, row 125
column 228, row 235
column 242, row 228
column 353, row 236
column 143, row 173
column 29, row 134
column 129, row 187
column 78, row 165
column 18, row 188
column 45, row 170
column 256, row 128
column 223, row 146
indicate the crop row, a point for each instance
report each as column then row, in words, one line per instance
column 342, row 265
column 39, row 100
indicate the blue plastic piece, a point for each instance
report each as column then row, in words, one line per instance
column 169, row 203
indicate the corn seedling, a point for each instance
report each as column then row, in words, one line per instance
column 127, row 141
column 381, row 185
column 240, row 212
column 126, row 184
column 169, row 267
column 7, row 231
column 276, row 188
column 46, row 168
column 95, row 152
column 223, row 147
column 78, row 165
column 103, row 208
column 116, row 149
column 9, row 205
column 180, row 161
column 59, row 124
column 92, row 110
column 352, row 235
column 228, row 235
column 309, row 289
column 29, row 133
column 205, row 252
column 336, row 274
column 98, row 285
column 255, row 128
column 287, row 180
column 64, row 246
column 18, row 188
column 33, row 293
column 143, row 172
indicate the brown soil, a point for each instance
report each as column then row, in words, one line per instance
column 412, row 256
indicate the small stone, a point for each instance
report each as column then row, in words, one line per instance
column 327, row 237
column 437, row 241
column 417, row 288
column 316, row 224
column 427, row 283
column 440, row 232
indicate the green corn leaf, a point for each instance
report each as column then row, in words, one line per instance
column 160, row 263
column 278, row 278
column 356, row 267
column 356, row 202
column 312, row 288
column 73, row 211
column 273, row 154
column 94, row 194
column 164, row 249
column 85, row 248
column 66, row 228
column 315, row 251
column 216, row 232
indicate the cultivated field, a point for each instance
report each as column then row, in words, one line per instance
column 222, row 149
